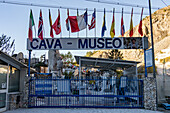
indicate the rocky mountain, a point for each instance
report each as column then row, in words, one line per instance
column 161, row 35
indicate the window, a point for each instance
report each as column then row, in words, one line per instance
column 14, row 79
column 2, row 100
column 3, row 77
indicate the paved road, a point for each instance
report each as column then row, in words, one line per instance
column 85, row 110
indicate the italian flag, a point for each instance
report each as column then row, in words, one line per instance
column 31, row 24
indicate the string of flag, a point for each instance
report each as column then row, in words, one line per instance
column 80, row 22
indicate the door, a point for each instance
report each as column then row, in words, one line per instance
column 3, row 87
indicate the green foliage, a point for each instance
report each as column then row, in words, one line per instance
column 115, row 54
column 89, row 53
column 67, row 57
column 42, row 58
column 92, row 82
column 119, row 73
column 141, row 69
column 5, row 44
column 68, row 75
column 164, row 60
column 40, row 64
column 4, row 40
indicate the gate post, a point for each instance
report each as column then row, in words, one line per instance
column 25, row 93
column 150, row 93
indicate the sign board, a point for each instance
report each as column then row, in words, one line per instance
column 3, row 86
column 43, row 87
column 148, row 54
column 87, row 43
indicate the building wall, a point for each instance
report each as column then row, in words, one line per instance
column 23, row 73
column 16, row 99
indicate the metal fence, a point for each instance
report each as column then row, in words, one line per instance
column 96, row 93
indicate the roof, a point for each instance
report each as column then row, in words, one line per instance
column 12, row 61
column 103, row 63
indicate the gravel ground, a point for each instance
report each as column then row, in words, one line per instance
column 85, row 110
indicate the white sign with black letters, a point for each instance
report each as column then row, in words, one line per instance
column 85, row 43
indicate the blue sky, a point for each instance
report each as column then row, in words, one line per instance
column 14, row 21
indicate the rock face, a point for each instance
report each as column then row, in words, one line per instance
column 161, row 34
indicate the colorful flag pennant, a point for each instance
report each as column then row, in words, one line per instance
column 67, row 21
column 57, row 26
column 104, row 25
column 51, row 29
column 112, row 29
column 78, row 23
column 93, row 21
column 122, row 25
column 131, row 25
column 140, row 25
column 31, row 24
column 40, row 27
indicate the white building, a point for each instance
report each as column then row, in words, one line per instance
column 12, row 76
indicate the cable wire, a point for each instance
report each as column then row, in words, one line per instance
column 123, row 4
column 62, row 7
column 164, row 3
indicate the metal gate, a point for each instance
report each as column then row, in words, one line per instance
column 86, row 93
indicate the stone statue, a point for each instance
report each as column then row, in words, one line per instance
column 53, row 56
column 59, row 66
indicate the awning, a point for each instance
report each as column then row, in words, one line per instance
column 103, row 63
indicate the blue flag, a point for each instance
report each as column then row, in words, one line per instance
column 104, row 25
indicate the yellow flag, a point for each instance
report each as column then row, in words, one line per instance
column 112, row 29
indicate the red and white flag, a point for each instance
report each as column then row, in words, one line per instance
column 78, row 23
column 140, row 25
column 67, row 21
column 31, row 24
column 40, row 27
column 57, row 26
column 93, row 21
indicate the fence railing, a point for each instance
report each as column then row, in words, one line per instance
column 115, row 93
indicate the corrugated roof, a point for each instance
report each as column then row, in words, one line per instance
column 106, row 64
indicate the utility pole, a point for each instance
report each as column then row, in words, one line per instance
column 153, row 56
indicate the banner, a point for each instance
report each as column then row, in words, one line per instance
column 87, row 43
column 149, row 60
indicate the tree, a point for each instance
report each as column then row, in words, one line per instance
column 89, row 53
column 68, row 57
column 115, row 54
column 5, row 44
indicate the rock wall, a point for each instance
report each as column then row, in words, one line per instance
column 150, row 93
column 24, row 94
column 13, row 101
column 19, row 100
